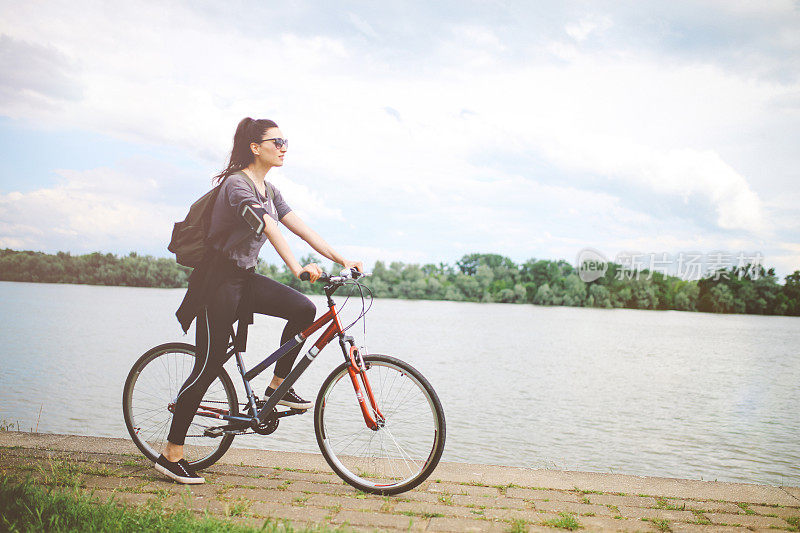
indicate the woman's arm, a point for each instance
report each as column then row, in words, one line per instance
column 302, row 230
column 277, row 240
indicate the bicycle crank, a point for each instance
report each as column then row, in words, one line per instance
column 270, row 425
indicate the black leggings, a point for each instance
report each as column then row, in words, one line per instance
column 213, row 328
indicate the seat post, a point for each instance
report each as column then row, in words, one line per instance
column 251, row 399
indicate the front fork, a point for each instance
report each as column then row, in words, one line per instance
column 358, row 372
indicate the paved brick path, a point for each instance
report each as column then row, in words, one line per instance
column 251, row 485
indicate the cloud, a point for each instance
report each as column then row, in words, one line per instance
column 130, row 206
column 583, row 28
column 84, row 214
column 786, row 258
column 671, row 174
column 307, row 203
column 474, row 135
column 393, row 113
column 370, row 254
column 362, row 25
column 35, row 72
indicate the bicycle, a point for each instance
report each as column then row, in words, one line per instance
column 386, row 442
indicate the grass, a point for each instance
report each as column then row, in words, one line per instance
column 746, row 508
column 662, row 503
column 5, row 425
column 60, row 473
column 283, row 486
column 701, row 519
column 567, row 521
column 518, row 526
column 660, row 523
column 387, row 504
column 421, row 514
column 794, row 522
column 584, row 492
column 446, row 499
column 27, row 506
column 504, row 488
column 144, row 488
column 240, row 507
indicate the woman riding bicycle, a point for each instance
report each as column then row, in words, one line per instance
column 225, row 287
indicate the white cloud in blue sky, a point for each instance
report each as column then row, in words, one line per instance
column 419, row 131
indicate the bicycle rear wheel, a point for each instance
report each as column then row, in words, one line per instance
column 150, row 390
column 403, row 451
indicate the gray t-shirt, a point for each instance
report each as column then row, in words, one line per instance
column 227, row 223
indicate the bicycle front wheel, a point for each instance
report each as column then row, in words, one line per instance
column 405, row 447
column 149, row 395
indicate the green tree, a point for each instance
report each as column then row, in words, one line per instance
column 544, row 295
column 791, row 290
column 574, row 291
column 643, row 294
column 721, row 299
column 685, row 296
column 601, row 296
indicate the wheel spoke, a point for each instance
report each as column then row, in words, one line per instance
column 153, row 384
column 406, row 446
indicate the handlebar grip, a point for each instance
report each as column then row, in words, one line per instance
column 305, row 276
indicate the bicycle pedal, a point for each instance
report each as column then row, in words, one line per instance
column 214, row 432
column 290, row 412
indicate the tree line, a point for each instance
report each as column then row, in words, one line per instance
column 474, row 278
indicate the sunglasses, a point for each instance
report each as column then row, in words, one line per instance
column 279, row 143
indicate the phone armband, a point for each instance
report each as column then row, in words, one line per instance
column 254, row 216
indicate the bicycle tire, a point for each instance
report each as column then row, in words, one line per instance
column 406, row 449
column 152, row 384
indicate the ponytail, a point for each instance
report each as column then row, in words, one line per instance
column 248, row 131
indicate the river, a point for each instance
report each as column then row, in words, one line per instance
column 664, row 393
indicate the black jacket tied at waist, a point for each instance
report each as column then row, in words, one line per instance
column 206, row 280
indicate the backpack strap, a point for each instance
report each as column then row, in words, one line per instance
column 271, row 194
column 250, row 182
column 268, row 185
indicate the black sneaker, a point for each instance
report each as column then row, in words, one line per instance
column 290, row 399
column 179, row 471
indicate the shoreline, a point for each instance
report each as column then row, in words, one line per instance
column 694, row 313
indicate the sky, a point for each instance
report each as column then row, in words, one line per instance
column 419, row 131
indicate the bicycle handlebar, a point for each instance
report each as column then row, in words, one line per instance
column 344, row 275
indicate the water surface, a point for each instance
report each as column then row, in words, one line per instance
column 666, row 393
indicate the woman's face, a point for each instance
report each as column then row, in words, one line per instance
column 268, row 152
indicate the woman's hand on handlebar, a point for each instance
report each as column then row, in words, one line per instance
column 312, row 272
column 353, row 264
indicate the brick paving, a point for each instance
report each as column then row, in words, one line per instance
column 251, row 486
